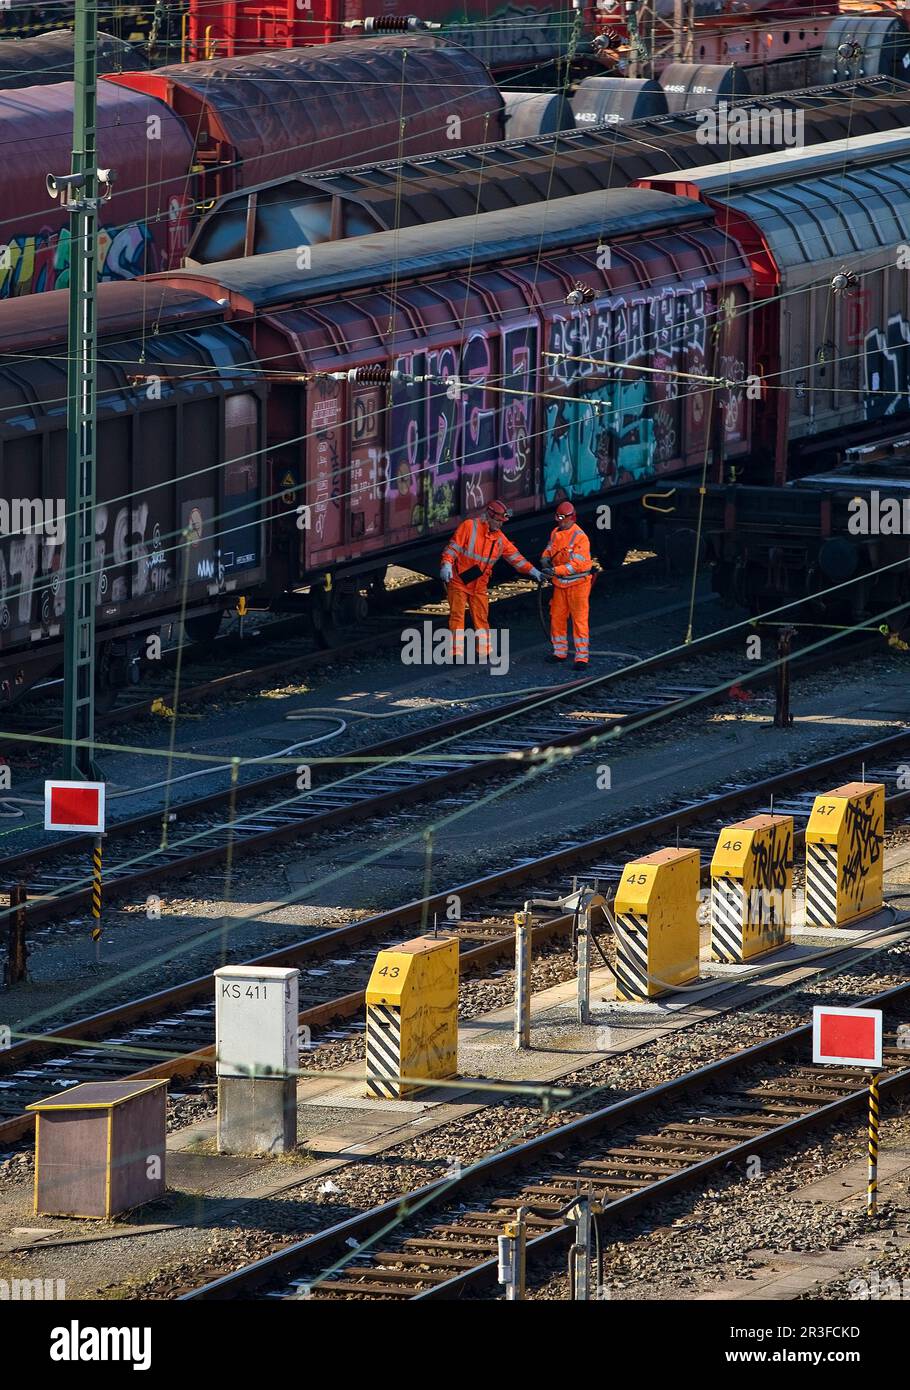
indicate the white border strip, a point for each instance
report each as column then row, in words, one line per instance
column 97, row 828
column 820, row 1011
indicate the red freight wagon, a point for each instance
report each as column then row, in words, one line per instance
column 503, row 35
column 144, row 226
column 282, row 112
column 476, row 308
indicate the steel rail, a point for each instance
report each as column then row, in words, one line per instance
column 420, row 910
column 321, row 1248
column 384, row 749
column 381, row 757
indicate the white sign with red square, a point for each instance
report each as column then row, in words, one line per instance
column 848, row 1037
column 74, row 806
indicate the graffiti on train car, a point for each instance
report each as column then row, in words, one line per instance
column 130, row 558
column 512, row 34
column 886, row 363
column 461, row 422
column 618, row 429
column 453, row 428
column 32, row 264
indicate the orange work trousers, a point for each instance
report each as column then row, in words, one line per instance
column 570, row 601
column 478, row 600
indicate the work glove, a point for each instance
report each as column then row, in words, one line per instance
column 536, row 575
column 547, row 570
column 445, row 574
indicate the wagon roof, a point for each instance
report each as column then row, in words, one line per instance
column 48, row 58
column 542, row 227
column 283, row 110
column 849, row 198
column 129, row 307
column 482, row 178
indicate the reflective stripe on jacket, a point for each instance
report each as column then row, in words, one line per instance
column 475, row 544
column 569, row 552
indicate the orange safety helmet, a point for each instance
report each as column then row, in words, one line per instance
column 565, row 509
column 498, row 511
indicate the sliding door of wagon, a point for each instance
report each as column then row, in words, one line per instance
column 479, row 416
column 325, row 444
column 517, row 413
column 367, row 409
column 153, row 514
column 405, row 491
column 121, row 516
column 241, row 525
column 587, row 427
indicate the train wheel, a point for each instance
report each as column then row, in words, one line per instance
column 204, row 627
column 337, row 614
column 107, row 669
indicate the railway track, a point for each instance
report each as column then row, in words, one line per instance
column 229, row 662
column 171, row 1033
column 441, row 1240
column 428, row 764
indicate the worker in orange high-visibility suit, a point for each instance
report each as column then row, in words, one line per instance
column 467, row 563
column 567, row 564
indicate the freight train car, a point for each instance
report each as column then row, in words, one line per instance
column 145, row 224
column 825, row 231
column 828, row 236
column 507, row 37
column 179, row 476
column 308, row 209
column 48, row 58
column 277, row 113
column 472, row 376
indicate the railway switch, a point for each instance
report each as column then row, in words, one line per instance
column 256, row 1058
column 844, row 854
column 656, row 912
column 751, row 888
column 412, row 1016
